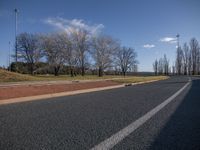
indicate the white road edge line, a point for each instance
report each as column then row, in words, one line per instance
column 119, row 136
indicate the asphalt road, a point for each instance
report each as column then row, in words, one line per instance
column 85, row 120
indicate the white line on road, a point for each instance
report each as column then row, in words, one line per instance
column 119, row 136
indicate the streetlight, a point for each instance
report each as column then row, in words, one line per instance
column 16, row 48
column 16, row 13
column 177, row 36
column 9, row 67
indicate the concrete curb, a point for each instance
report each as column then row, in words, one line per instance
column 41, row 83
column 47, row 96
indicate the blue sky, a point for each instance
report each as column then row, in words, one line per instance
column 149, row 26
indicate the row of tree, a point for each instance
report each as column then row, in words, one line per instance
column 161, row 66
column 77, row 49
column 188, row 58
column 187, row 61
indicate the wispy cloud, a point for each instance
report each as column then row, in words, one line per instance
column 170, row 40
column 149, row 46
column 69, row 25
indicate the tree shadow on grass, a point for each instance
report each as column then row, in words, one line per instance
column 182, row 131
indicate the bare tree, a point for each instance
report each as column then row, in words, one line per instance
column 173, row 69
column 179, row 60
column 126, row 59
column 54, row 50
column 29, row 49
column 103, row 49
column 160, row 66
column 186, row 56
column 190, row 63
column 81, row 41
column 69, row 53
column 155, row 67
column 165, row 65
column 198, row 61
column 194, row 47
column 135, row 67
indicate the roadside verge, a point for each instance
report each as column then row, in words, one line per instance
column 71, row 92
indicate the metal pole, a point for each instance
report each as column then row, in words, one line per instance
column 9, row 59
column 16, row 11
column 177, row 36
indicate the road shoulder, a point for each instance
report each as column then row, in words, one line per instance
column 26, row 93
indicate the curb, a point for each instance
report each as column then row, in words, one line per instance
column 41, row 83
column 53, row 95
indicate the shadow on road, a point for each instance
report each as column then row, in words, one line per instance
column 176, row 80
column 182, row 131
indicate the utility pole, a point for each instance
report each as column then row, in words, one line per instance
column 16, row 15
column 16, row 48
column 177, row 36
column 9, row 67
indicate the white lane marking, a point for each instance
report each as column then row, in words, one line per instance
column 119, row 136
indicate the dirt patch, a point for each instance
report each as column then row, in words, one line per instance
column 33, row 90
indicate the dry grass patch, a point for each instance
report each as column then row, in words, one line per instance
column 78, row 77
column 7, row 76
column 140, row 79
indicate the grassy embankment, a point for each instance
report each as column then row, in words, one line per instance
column 6, row 76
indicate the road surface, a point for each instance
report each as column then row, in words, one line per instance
column 159, row 115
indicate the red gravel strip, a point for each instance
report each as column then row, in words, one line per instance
column 33, row 90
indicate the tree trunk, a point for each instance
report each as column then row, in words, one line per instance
column 56, row 70
column 185, row 71
column 124, row 73
column 31, row 66
column 100, row 72
column 82, row 70
column 71, row 71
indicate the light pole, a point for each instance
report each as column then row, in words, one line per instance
column 9, row 67
column 16, row 48
column 16, row 13
column 177, row 36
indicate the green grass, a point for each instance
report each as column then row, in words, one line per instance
column 6, row 76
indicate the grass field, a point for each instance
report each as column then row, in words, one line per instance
column 6, row 76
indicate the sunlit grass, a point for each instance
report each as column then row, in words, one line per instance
column 78, row 77
column 6, row 76
column 139, row 79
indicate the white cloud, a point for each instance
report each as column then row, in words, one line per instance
column 148, row 46
column 74, row 24
column 170, row 40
